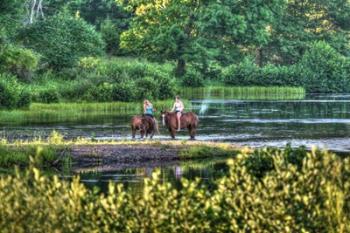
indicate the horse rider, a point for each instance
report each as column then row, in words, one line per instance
column 148, row 110
column 178, row 109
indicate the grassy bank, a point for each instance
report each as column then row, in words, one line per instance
column 75, row 112
column 245, row 93
column 311, row 195
column 54, row 150
column 45, row 157
column 39, row 113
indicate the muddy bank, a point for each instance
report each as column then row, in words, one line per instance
column 118, row 156
column 121, row 155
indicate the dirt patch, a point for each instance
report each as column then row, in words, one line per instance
column 106, row 155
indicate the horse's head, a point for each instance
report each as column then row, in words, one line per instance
column 163, row 113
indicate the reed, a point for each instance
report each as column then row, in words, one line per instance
column 245, row 93
column 75, row 112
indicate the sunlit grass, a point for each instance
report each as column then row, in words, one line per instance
column 244, row 93
column 74, row 112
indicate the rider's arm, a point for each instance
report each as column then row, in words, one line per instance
column 144, row 108
column 173, row 109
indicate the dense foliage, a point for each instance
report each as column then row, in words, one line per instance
column 105, row 80
column 295, row 192
column 12, row 93
column 321, row 69
column 62, row 40
column 19, row 61
column 261, row 43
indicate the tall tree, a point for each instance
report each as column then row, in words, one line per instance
column 198, row 31
column 232, row 27
column 11, row 15
column 163, row 29
column 304, row 21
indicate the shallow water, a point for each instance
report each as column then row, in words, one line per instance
column 321, row 120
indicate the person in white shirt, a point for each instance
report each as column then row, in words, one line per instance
column 178, row 108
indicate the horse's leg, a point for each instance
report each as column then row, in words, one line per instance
column 172, row 132
column 189, row 131
column 193, row 132
column 142, row 133
column 151, row 134
column 133, row 132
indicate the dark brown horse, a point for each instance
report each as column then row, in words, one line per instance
column 145, row 124
column 188, row 120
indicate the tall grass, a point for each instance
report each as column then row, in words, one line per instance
column 42, row 156
column 244, row 93
column 75, row 112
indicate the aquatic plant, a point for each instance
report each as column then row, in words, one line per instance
column 311, row 198
column 245, row 93
column 207, row 151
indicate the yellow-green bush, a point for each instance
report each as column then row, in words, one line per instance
column 313, row 197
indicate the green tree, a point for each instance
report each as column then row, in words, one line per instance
column 232, row 27
column 62, row 40
column 305, row 21
column 11, row 15
column 163, row 30
column 107, row 16
column 198, row 31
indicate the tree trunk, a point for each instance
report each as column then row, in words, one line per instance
column 180, row 68
column 259, row 57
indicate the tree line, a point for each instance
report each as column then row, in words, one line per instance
column 201, row 37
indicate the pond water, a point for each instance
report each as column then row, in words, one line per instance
column 206, row 171
column 321, row 120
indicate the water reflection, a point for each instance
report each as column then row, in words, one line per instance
column 316, row 119
column 132, row 178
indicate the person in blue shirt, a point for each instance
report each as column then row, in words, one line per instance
column 148, row 110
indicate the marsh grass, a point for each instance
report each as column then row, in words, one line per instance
column 19, row 155
column 205, row 151
column 39, row 113
column 244, row 93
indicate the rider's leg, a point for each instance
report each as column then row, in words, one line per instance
column 178, row 115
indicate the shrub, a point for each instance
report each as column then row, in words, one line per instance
column 244, row 73
column 62, row 40
column 323, row 69
column 100, row 93
column 124, row 91
column 19, row 61
column 12, row 94
column 48, row 96
column 192, row 78
column 89, row 63
column 25, row 99
column 146, row 88
column 312, row 198
column 275, row 75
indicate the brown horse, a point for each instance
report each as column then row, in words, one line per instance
column 188, row 120
column 145, row 124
